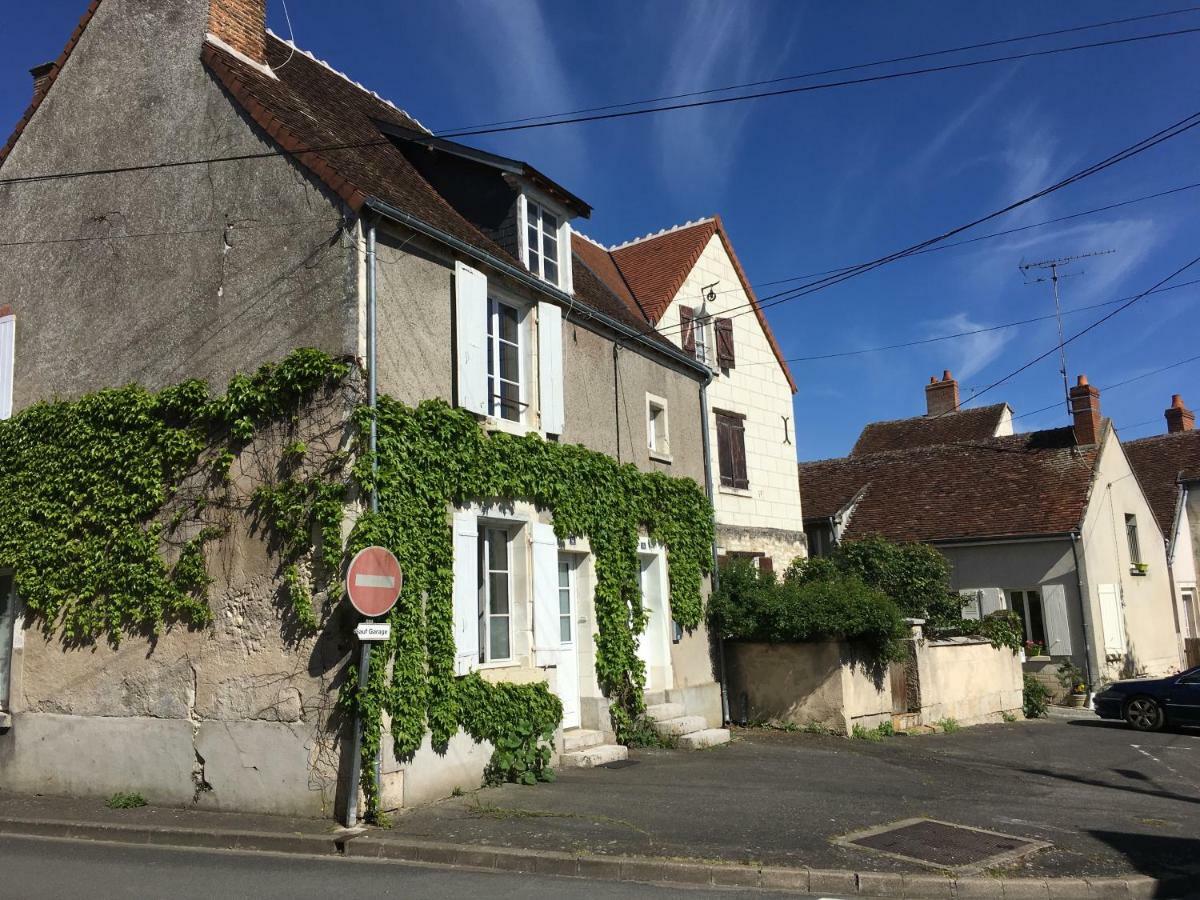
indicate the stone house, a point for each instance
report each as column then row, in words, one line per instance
column 1168, row 468
column 689, row 282
column 219, row 199
column 1050, row 524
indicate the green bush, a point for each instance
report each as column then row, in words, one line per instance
column 124, row 800
column 1037, row 698
column 754, row 606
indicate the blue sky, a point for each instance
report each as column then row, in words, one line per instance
column 812, row 181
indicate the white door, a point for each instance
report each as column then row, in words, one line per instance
column 567, row 679
column 1189, row 609
column 654, row 648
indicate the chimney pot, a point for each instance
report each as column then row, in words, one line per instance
column 1179, row 417
column 1085, row 407
column 941, row 397
column 242, row 24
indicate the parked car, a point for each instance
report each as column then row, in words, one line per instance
column 1148, row 704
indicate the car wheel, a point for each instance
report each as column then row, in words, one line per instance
column 1144, row 714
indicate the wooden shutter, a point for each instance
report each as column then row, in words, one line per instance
column 547, row 639
column 992, row 600
column 731, row 450
column 1054, row 615
column 687, row 329
column 1112, row 619
column 466, row 592
column 550, row 368
column 7, row 353
column 470, row 336
column 725, row 449
column 725, row 357
column 741, row 479
column 766, row 564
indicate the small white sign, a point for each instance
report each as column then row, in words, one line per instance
column 373, row 631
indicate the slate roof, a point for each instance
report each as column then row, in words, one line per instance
column 1160, row 463
column 977, row 424
column 1026, row 484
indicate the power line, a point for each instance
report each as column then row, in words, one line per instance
column 960, row 334
column 832, row 71
column 1174, row 130
column 211, row 229
column 1084, row 331
column 803, row 89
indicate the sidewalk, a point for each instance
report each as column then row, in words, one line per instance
column 765, row 812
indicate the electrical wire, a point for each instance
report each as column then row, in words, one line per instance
column 210, row 229
column 833, row 71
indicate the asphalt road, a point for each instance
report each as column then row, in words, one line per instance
column 1110, row 801
column 50, row 868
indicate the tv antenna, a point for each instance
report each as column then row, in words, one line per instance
column 1052, row 266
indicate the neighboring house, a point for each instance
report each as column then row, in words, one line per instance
column 1051, row 524
column 201, row 271
column 1168, row 467
column 689, row 283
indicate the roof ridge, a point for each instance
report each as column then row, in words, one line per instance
column 358, row 84
column 926, row 416
column 660, row 233
column 590, row 240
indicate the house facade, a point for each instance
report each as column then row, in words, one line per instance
column 1168, row 468
column 255, row 200
column 689, row 282
column 1051, row 524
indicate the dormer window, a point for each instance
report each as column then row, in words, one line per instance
column 546, row 242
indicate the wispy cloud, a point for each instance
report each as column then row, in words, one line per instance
column 715, row 43
column 974, row 353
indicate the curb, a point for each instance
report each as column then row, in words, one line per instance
column 360, row 844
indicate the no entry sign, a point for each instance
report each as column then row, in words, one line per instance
column 373, row 581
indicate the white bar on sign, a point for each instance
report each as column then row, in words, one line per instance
column 373, row 631
column 374, row 581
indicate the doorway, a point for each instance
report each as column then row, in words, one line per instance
column 8, row 615
column 654, row 644
column 567, row 679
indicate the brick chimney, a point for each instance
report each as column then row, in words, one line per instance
column 242, row 24
column 941, row 396
column 1085, row 407
column 1179, row 417
column 41, row 77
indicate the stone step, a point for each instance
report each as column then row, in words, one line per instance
column 660, row 712
column 680, row 725
column 594, row 756
column 654, row 698
column 699, row 740
column 580, row 739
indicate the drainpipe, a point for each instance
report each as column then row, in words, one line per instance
column 1083, row 613
column 364, row 659
column 716, row 574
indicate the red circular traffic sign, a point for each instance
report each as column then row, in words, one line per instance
column 373, row 581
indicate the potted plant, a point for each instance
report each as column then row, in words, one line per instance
column 1141, row 568
column 1033, row 648
column 1071, row 678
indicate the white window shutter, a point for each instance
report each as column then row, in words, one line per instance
column 470, row 333
column 1112, row 619
column 550, row 368
column 1058, row 626
column 7, row 353
column 991, row 600
column 547, row 639
column 466, row 592
column 972, row 603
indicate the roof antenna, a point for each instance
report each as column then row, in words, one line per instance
column 1053, row 265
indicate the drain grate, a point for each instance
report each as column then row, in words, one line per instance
column 942, row 844
column 618, row 764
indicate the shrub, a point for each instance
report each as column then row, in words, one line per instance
column 124, row 800
column 1003, row 628
column 1071, row 677
column 754, row 606
column 1036, row 697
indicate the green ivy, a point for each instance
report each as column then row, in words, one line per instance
column 432, row 456
column 92, row 495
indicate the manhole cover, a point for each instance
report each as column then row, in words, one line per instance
column 942, row 844
column 618, row 764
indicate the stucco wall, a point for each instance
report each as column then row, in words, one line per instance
column 196, row 271
column 756, row 387
column 1151, row 641
column 968, row 681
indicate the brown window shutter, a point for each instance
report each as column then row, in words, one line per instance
column 687, row 329
column 725, row 358
column 725, row 449
column 738, row 445
column 765, row 564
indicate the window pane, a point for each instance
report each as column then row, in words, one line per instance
column 565, row 629
column 1037, row 627
column 1016, row 602
column 497, row 550
column 551, row 273
column 499, row 646
column 509, row 324
column 510, row 401
column 549, row 224
column 510, row 363
column 498, row 593
column 564, row 574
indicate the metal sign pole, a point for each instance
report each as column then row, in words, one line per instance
column 364, row 669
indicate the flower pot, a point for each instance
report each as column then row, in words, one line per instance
column 1079, row 701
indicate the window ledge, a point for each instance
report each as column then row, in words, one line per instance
column 1139, row 572
column 660, row 457
column 498, row 664
column 519, row 429
column 737, row 492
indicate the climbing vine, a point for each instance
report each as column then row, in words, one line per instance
column 432, row 456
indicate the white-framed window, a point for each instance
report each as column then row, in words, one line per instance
column 1131, row 537
column 658, row 433
column 701, row 326
column 495, row 594
column 543, row 242
column 506, row 344
column 1028, row 605
column 8, row 325
column 566, row 600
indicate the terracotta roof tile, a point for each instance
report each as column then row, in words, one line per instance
column 1024, row 484
column 1160, row 463
column 978, row 424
